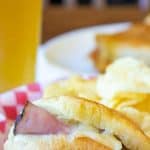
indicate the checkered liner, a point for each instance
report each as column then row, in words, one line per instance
column 12, row 102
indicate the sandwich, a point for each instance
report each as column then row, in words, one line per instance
column 73, row 123
column 134, row 42
column 125, row 87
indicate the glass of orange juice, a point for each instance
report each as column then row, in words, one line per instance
column 20, row 22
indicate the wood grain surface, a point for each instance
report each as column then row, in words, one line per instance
column 57, row 20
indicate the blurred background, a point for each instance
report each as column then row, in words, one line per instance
column 60, row 16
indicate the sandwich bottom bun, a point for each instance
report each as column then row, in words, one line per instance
column 51, row 142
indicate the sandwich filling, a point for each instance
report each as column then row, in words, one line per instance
column 35, row 120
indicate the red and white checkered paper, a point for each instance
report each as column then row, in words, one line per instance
column 12, row 102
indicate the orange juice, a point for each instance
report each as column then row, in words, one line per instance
column 20, row 22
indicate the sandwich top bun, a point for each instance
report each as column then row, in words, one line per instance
column 132, row 36
column 88, row 119
column 133, row 42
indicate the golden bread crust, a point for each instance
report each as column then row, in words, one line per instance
column 99, row 116
column 53, row 142
column 136, row 35
column 134, row 42
column 99, row 62
column 135, row 106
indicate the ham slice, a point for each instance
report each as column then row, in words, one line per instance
column 36, row 120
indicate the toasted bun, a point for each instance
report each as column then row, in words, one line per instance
column 136, row 35
column 51, row 142
column 88, row 113
column 99, row 116
column 133, row 42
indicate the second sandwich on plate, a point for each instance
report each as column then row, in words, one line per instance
column 133, row 42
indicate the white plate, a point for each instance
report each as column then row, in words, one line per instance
column 69, row 52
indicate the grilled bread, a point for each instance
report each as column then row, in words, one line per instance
column 92, row 126
column 133, row 42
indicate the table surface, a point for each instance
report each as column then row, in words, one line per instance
column 57, row 20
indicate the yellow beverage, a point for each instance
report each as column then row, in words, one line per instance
column 20, row 22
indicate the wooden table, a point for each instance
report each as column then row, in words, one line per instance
column 57, row 20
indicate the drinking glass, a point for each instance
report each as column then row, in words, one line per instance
column 20, row 22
